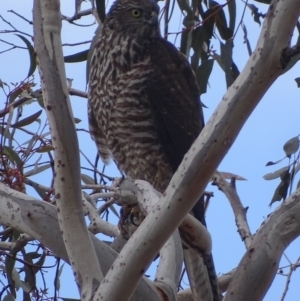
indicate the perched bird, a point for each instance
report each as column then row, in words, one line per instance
column 144, row 108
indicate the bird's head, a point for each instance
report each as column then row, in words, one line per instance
column 134, row 17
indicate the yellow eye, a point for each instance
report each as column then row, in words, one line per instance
column 136, row 13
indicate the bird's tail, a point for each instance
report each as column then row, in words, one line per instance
column 199, row 213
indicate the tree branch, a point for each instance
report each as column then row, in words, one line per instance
column 189, row 182
column 39, row 219
column 238, row 209
column 259, row 265
column 47, row 41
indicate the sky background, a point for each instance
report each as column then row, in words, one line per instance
column 275, row 120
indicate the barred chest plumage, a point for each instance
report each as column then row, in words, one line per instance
column 118, row 82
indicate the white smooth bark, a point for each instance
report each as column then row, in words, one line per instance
column 47, row 41
column 39, row 219
column 259, row 265
column 189, row 182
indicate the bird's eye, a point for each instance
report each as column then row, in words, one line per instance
column 136, row 13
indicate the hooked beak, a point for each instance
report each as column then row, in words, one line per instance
column 154, row 19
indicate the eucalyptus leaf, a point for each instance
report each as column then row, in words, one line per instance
column 100, row 4
column 276, row 174
column 28, row 120
column 77, row 57
column 291, row 146
column 31, row 55
column 282, row 188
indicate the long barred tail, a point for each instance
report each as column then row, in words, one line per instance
column 199, row 213
column 98, row 137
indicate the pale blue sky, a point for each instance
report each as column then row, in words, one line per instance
column 275, row 120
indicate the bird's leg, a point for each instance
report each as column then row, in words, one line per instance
column 124, row 213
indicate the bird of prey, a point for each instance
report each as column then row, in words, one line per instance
column 144, row 108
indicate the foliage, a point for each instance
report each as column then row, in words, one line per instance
column 27, row 155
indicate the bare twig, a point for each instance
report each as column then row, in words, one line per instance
column 239, row 210
column 78, row 16
column 14, row 28
column 293, row 267
column 97, row 224
column 11, row 44
column 22, row 100
column 37, row 185
column 94, row 186
column 20, row 16
column 76, row 44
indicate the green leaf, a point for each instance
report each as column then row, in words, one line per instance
column 291, row 146
column 246, row 41
column 220, row 20
column 270, row 163
column 16, row 278
column 282, row 188
column 33, row 255
column 9, row 297
column 27, row 120
column 87, row 179
column 254, row 11
column 232, row 14
column 57, row 284
column 183, row 41
column 293, row 60
column 77, row 120
column 264, row 1
column 77, row 57
column 5, row 133
column 203, row 74
column 276, row 174
column 9, row 267
column 13, row 156
column 226, row 58
column 100, row 4
column 37, row 169
column 14, row 94
column 26, row 287
column 45, row 149
column 196, row 38
column 114, row 211
column 40, row 192
column 39, row 97
column 183, row 5
column 31, row 55
column 90, row 53
column 30, row 145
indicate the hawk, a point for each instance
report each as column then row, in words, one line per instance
column 144, row 108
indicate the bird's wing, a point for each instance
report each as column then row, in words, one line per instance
column 173, row 96
column 98, row 136
column 174, row 100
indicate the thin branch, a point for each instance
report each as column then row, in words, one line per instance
column 39, row 219
column 14, row 28
column 20, row 16
column 97, row 224
column 76, row 44
column 95, row 186
column 293, row 267
column 78, row 16
column 238, row 209
column 22, row 100
column 37, row 185
column 11, row 44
